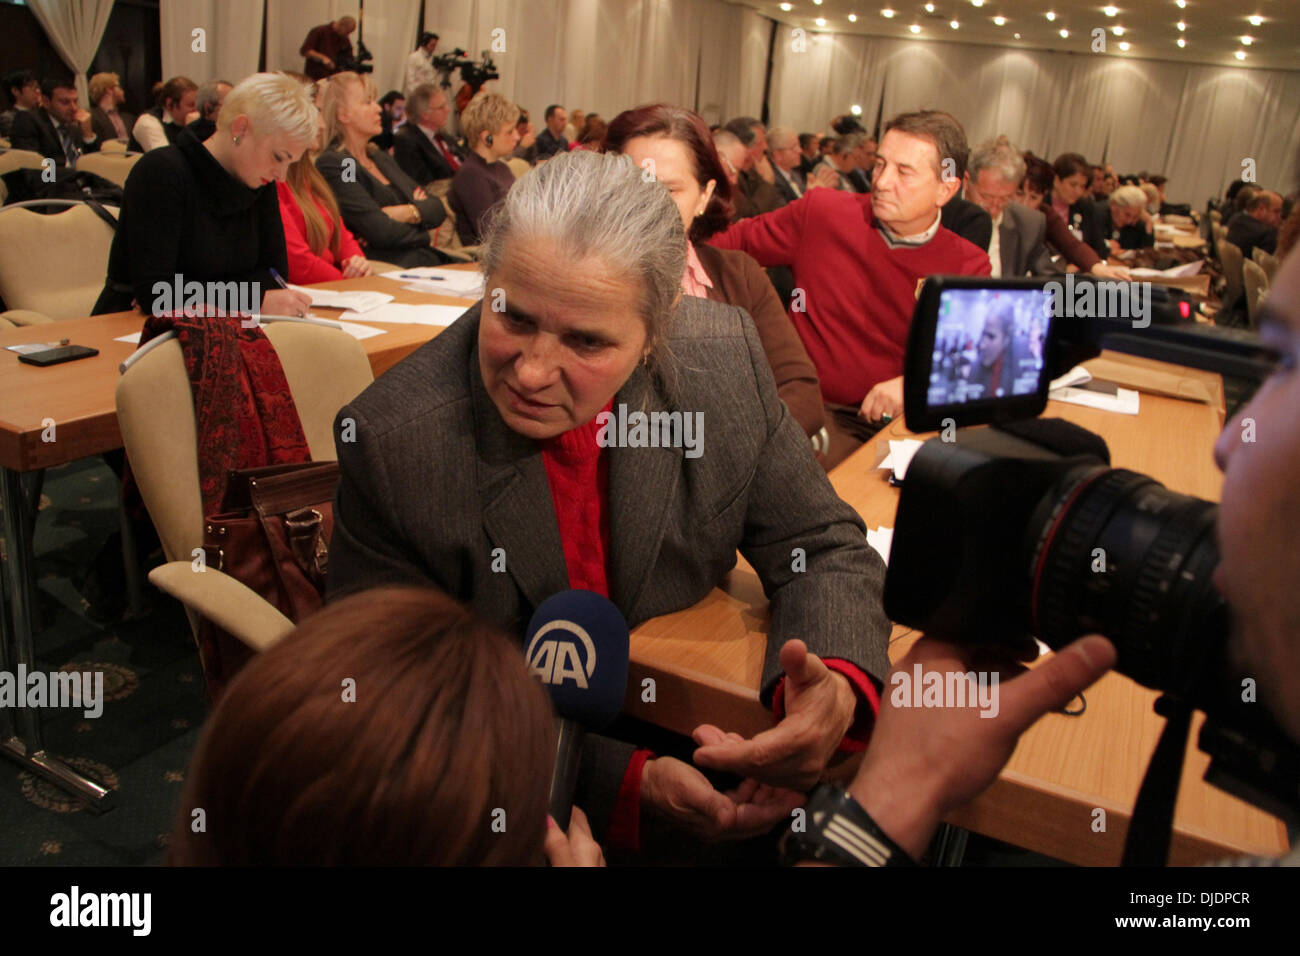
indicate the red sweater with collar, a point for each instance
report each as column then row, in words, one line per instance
column 577, row 470
column 859, row 293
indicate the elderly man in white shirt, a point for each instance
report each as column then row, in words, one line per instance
column 419, row 65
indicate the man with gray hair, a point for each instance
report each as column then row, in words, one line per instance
column 421, row 148
column 790, row 181
column 1256, row 226
column 1125, row 222
column 1017, row 246
column 208, row 102
column 756, row 181
column 842, row 161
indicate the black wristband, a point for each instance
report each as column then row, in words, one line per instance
column 837, row 830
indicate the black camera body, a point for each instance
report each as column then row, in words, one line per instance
column 1022, row 530
column 358, row 62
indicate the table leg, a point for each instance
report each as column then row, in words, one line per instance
column 24, row 746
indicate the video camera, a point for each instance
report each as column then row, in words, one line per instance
column 358, row 62
column 473, row 72
column 1023, row 530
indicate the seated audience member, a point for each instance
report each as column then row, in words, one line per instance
column 1097, row 188
column 789, row 179
column 107, row 118
column 327, row 45
column 675, row 144
column 208, row 102
column 489, row 125
column 24, row 93
column 755, row 176
column 967, row 220
column 809, row 154
column 392, row 116
column 59, row 130
column 410, row 774
column 526, row 149
column 1037, row 186
column 1069, row 198
column 860, row 258
column 924, row 763
column 593, row 134
column 419, row 65
column 1124, row 220
column 1244, row 195
column 319, row 246
column 865, row 160
column 501, row 413
column 1256, row 226
column 842, row 160
column 1017, row 245
column 161, row 125
column 1230, row 194
column 426, row 153
column 388, row 212
column 1288, row 233
column 577, row 119
column 222, row 221
column 551, row 140
column 826, row 144
column 1153, row 198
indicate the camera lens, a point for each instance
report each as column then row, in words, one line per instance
column 1115, row 552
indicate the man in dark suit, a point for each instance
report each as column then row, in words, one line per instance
column 107, row 117
column 424, row 152
column 967, row 220
column 208, row 102
column 1017, row 244
column 60, row 131
column 1256, row 226
column 551, row 140
column 24, row 93
column 789, row 181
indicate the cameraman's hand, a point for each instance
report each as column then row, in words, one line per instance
column 886, row 398
column 575, row 848
column 679, row 794
column 924, row 762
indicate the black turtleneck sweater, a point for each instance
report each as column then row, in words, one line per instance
column 183, row 213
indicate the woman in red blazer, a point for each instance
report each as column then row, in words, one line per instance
column 320, row 247
column 674, row 146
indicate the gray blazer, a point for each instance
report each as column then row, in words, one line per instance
column 434, row 480
column 1022, row 243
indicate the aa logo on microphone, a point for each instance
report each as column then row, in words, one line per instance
column 558, row 657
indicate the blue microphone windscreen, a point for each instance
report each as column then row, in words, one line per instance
column 577, row 645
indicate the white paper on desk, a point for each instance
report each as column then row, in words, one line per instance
column 34, row 347
column 882, row 539
column 402, row 314
column 1125, row 400
column 1075, row 376
column 1185, row 271
column 358, row 332
column 464, row 283
column 434, row 288
column 132, row 339
column 355, row 301
column 900, row 456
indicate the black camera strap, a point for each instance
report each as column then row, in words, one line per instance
column 1151, row 827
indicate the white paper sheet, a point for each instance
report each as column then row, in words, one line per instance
column 1125, row 401
column 439, row 280
column 358, row 301
column 401, row 314
column 900, row 456
column 359, row 332
column 882, row 539
column 132, row 339
column 1185, row 271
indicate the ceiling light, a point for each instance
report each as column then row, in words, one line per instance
column 818, row 2
column 1051, row 15
column 977, row 3
column 1017, row 36
column 929, row 8
column 786, row 7
column 954, row 24
column 821, row 21
column 914, row 28
column 1182, row 4
column 1118, row 31
column 1240, row 54
column 1182, row 42
column 855, row 109
column 1000, row 21
column 1181, row 26
column 1255, row 20
column 886, row 13
column 1247, row 41
column 1065, row 34
column 853, row 18
column 1123, row 45
column 1110, row 11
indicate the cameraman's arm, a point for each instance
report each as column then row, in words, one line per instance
column 924, row 762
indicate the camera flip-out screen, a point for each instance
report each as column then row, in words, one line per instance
column 978, row 352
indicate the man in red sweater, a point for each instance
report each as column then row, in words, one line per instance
column 859, row 261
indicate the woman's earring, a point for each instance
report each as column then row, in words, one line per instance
column 236, row 138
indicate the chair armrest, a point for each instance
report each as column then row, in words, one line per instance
column 225, row 601
column 25, row 317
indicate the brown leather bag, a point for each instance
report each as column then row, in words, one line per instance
column 272, row 534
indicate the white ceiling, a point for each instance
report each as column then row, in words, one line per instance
column 1214, row 28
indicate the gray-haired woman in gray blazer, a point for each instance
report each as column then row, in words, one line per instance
column 515, row 437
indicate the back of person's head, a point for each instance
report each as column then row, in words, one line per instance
column 1129, row 197
column 100, row 84
column 391, row 97
column 486, row 113
column 593, row 132
column 174, row 90
column 347, row 23
column 687, row 128
column 846, row 144
column 424, row 38
column 1038, row 173
column 943, row 131
column 1288, row 232
column 209, row 101
column 275, row 103
column 1153, row 196
column 742, row 127
column 1071, row 164
column 826, row 142
column 391, row 728
column 1245, row 194
column 15, row 80
column 847, row 124
column 1233, row 188
column 999, row 156
column 589, row 204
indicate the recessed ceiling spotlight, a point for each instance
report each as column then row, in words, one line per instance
column 855, row 109
column 954, row 24
column 1064, row 33
column 1123, row 45
column 1240, row 54
column 853, row 18
column 1110, row 11
column 1182, row 4
column 786, row 7
column 914, row 28
column 1255, row 20
column 1000, row 21
column 977, row 3
column 1247, row 41
column 929, row 8
column 886, row 13
column 1181, row 26
column 1118, row 31
column 1051, row 15
column 821, row 21
column 1017, row 36
column 1182, row 42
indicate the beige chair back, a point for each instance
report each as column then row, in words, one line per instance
column 518, row 166
column 12, row 159
column 325, row 369
column 53, row 264
column 113, row 167
column 1220, row 232
column 1216, row 216
column 113, row 146
column 1267, row 261
column 1230, row 258
column 1256, row 283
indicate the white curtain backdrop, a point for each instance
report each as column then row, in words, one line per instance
column 74, row 28
column 390, row 32
column 233, row 32
column 1195, row 124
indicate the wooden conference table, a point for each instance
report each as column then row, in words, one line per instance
column 707, row 661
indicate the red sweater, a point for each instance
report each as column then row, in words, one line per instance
column 859, row 293
column 305, row 267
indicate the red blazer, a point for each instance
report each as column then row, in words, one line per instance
column 305, row 267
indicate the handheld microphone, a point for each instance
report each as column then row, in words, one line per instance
column 577, row 645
